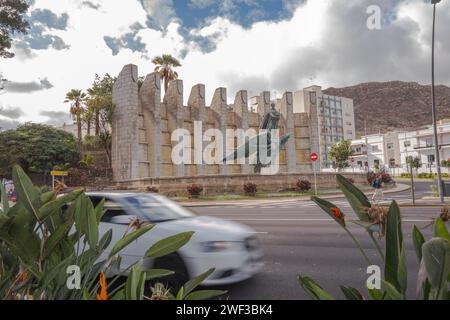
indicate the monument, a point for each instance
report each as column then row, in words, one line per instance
column 143, row 122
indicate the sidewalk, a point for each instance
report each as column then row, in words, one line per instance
column 398, row 188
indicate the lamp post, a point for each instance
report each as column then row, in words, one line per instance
column 433, row 105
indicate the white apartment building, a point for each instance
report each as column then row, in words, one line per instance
column 333, row 117
column 391, row 150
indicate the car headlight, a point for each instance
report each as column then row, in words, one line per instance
column 214, row 246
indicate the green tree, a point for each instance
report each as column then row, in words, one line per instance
column 37, row 148
column 340, row 153
column 164, row 65
column 413, row 162
column 99, row 99
column 76, row 99
column 11, row 22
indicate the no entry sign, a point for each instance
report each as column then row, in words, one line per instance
column 314, row 157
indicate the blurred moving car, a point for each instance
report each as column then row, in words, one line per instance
column 232, row 249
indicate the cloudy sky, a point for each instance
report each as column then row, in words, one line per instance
column 257, row 45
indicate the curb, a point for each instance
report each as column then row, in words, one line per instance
column 206, row 204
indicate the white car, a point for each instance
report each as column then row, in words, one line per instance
column 231, row 248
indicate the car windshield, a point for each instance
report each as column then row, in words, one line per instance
column 156, row 208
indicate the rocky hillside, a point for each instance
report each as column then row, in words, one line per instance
column 394, row 105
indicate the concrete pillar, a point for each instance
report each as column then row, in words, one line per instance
column 198, row 113
column 240, row 107
column 125, row 146
column 287, row 111
column 150, row 96
column 264, row 103
column 219, row 105
column 173, row 101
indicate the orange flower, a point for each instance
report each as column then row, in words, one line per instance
column 337, row 213
column 103, row 295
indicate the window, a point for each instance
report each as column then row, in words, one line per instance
column 376, row 161
column 431, row 158
column 407, row 144
column 360, row 163
column 429, row 142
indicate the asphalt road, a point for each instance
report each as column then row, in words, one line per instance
column 299, row 238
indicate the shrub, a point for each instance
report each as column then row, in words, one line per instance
column 194, row 190
column 386, row 178
column 428, row 175
column 250, row 188
column 371, row 176
column 152, row 189
column 39, row 237
column 432, row 255
column 405, row 175
column 303, row 185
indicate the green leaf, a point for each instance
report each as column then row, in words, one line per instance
column 125, row 241
column 418, row 241
column 141, row 287
column 313, row 289
column 440, row 230
column 86, row 295
column 52, row 207
column 351, row 293
column 168, row 245
column 85, row 220
column 158, row 273
column 27, row 194
column 391, row 291
column 99, row 210
column 134, row 278
column 204, row 294
column 194, row 283
column 56, row 237
column 4, row 198
column 357, row 199
column 375, row 294
column 327, row 206
column 119, row 295
column 47, row 197
column 436, row 257
column 180, row 294
column 395, row 266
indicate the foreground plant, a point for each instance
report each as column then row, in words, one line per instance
column 433, row 279
column 44, row 237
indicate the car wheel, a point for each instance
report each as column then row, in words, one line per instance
column 175, row 263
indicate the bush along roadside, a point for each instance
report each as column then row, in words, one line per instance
column 44, row 234
column 433, row 255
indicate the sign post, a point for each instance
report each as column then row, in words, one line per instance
column 314, row 157
column 58, row 174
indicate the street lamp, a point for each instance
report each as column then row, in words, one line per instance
column 433, row 105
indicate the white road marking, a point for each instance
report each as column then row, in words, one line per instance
column 318, row 220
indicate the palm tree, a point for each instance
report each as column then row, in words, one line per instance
column 76, row 98
column 164, row 65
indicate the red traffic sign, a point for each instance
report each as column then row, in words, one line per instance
column 314, row 157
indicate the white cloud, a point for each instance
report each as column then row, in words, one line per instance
column 326, row 40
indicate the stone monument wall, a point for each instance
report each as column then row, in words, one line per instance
column 143, row 123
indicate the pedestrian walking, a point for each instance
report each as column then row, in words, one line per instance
column 378, row 186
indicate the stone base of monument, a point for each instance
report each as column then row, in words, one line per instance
column 234, row 183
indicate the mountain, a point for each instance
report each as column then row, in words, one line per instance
column 394, row 105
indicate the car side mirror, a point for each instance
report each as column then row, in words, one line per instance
column 123, row 219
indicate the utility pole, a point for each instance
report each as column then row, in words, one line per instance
column 433, row 106
column 366, row 143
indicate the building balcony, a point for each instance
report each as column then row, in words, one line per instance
column 430, row 146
